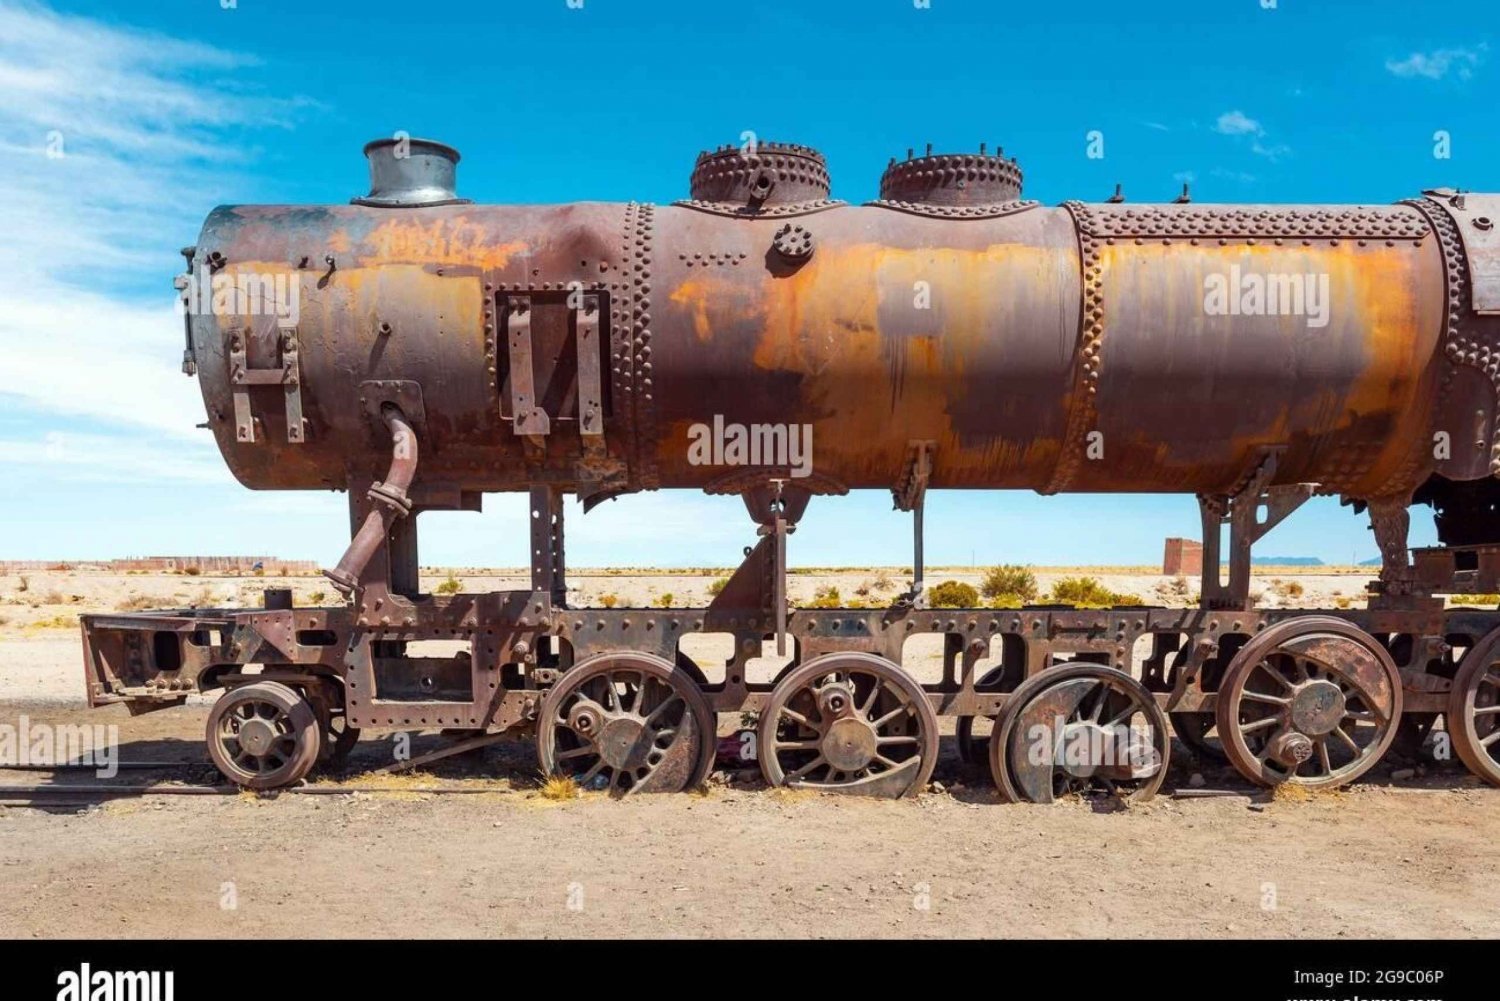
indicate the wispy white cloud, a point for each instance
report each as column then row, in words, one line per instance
column 1240, row 125
column 1434, row 65
column 1237, row 123
column 117, row 140
column 100, row 458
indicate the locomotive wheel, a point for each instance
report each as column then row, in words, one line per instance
column 627, row 723
column 1473, row 717
column 263, row 735
column 1312, row 701
column 849, row 723
column 1078, row 727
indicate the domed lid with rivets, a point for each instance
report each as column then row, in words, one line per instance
column 760, row 175
column 952, row 179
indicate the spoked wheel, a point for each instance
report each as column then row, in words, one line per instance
column 1076, row 728
column 627, row 723
column 849, row 723
column 1473, row 717
column 263, row 735
column 1313, row 701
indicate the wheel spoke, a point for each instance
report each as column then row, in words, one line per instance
column 1349, row 741
column 798, row 718
column 1274, row 700
column 1259, row 724
column 675, row 698
column 814, row 763
column 1323, row 755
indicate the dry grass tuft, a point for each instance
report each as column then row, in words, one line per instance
column 559, row 787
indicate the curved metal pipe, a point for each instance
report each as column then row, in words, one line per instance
column 389, row 502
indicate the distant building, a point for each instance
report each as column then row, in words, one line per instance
column 1184, row 557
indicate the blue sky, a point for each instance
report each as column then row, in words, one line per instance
column 121, row 125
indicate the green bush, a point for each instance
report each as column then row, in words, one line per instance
column 1085, row 592
column 1088, row 592
column 450, row 585
column 1008, row 580
column 952, row 594
column 826, row 597
column 716, row 586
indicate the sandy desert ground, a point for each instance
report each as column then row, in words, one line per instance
column 1412, row 857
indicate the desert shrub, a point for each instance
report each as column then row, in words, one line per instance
column 882, row 582
column 716, row 586
column 863, row 590
column 316, row 597
column 663, row 601
column 1009, row 580
column 1006, row 601
column 24, row 585
column 449, row 585
column 192, row 571
column 1179, row 586
column 608, row 600
column 952, row 594
column 137, row 603
column 1085, row 592
column 826, row 597
column 54, row 598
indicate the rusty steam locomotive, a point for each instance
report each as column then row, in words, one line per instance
column 948, row 335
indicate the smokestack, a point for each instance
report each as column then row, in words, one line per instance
column 408, row 173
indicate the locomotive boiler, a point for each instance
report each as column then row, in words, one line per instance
column 764, row 339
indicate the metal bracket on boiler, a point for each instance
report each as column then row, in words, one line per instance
column 530, row 419
column 910, row 494
column 288, row 375
column 1240, row 510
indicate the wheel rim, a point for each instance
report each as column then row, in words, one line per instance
column 263, row 735
column 1076, row 729
column 1473, row 717
column 1312, row 702
column 627, row 723
column 849, row 723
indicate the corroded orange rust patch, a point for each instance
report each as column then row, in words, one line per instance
column 453, row 241
column 946, row 308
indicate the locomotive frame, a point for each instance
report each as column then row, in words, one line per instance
column 1313, row 697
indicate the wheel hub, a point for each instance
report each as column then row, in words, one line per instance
column 1317, row 707
column 620, row 743
column 849, row 744
column 256, row 736
column 1289, row 749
